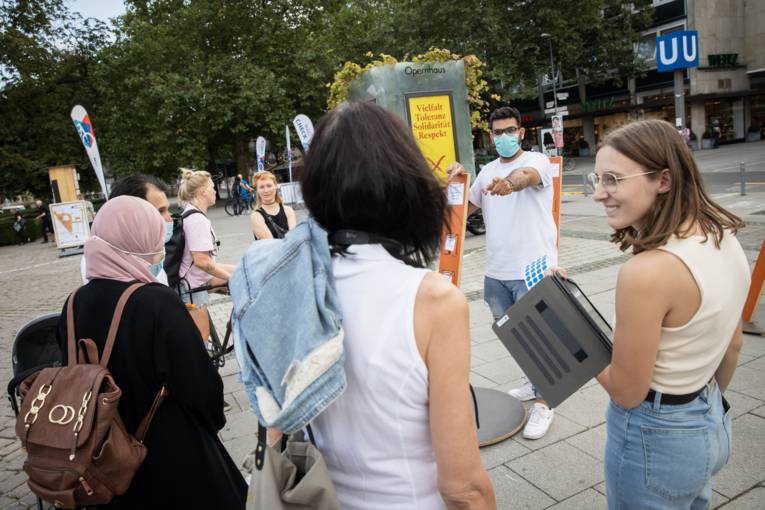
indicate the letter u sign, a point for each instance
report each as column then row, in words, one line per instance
column 677, row 50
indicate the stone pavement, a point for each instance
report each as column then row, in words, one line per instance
column 564, row 470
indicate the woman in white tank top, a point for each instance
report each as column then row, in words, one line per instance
column 402, row 436
column 678, row 321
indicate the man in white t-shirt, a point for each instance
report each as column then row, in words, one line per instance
column 516, row 195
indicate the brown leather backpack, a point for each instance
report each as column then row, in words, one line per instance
column 78, row 451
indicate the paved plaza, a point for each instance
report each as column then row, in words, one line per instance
column 564, row 470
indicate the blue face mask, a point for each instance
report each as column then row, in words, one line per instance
column 507, row 145
column 155, row 269
column 169, row 232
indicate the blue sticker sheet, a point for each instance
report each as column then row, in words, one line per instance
column 535, row 271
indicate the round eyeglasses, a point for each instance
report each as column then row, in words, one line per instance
column 609, row 181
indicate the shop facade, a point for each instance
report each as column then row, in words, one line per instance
column 724, row 96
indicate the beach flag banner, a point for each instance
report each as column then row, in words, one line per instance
column 84, row 128
column 260, row 150
column 289, row 149
column 304, row 130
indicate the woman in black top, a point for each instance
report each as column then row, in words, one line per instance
column 271, row 218
column 157, row 343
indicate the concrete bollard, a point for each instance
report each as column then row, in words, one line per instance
column 742, row 171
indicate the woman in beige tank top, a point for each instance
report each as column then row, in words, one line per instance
column 678, row 330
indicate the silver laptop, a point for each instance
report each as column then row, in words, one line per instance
column 557, row 336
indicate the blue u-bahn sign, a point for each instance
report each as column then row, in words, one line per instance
column 677, row 50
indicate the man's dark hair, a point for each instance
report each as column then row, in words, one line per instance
column 365, row 172
column 137, row 185
column 505, row 112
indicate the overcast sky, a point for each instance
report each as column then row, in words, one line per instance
column 101, row 9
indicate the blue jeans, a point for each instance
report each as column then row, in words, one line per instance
column 197, row 298
column 501, row 295
column 663, row 456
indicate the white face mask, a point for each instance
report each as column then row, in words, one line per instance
column 136, row 254
column 140, row 256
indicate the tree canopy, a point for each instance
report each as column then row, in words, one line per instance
column 190, row 82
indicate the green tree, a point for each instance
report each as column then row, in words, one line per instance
column 192, row 83
column 593, row 37
column 47, row 57
column 180, row 83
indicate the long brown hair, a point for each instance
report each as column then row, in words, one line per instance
column 656, row 145
column 263, row 174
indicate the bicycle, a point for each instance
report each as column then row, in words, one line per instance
column 233, row 205
column 216, row 349
column 569, row 163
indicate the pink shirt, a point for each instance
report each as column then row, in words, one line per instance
column 200, row 236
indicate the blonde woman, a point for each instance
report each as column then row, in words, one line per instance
column 198, row 265
column 271, row 219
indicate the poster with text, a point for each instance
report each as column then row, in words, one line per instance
column 431, row 118
column 70, row 223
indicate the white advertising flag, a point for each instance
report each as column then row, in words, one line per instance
column 304, row 129
column 289, row 150
column 260, row 150
column 88, row 136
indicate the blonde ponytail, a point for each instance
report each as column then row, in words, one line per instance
column 191, row 182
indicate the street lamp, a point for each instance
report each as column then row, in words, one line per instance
column 552, row 71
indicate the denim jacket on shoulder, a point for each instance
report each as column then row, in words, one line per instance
column 286, row 309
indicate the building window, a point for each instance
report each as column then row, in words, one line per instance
column 646, row 48
column 725, row 119
column 757, row 125
column 676, row 28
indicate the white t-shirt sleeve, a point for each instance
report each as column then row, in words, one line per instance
column 541, row 164
column 83, row 270
column 474, row 195
column 198, row 233
column 162, row 277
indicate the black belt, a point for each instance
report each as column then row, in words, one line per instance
column 673, row 400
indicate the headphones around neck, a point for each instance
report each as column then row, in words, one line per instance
column 346, row 237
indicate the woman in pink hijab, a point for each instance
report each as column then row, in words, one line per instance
column 127, row 242
column 157, row 344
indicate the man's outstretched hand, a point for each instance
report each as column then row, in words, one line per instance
column 498, row 186
column 454, row 169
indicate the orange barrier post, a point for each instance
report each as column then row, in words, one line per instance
column 557, row 189
column 755, row 291
column 452, row 239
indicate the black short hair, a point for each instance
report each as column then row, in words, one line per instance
column 137, row 185
column 365, row 172
column 505, row 112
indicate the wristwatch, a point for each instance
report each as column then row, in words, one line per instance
column 507, row 179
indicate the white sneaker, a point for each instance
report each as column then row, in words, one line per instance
column 523, row 393
column 539, row 422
